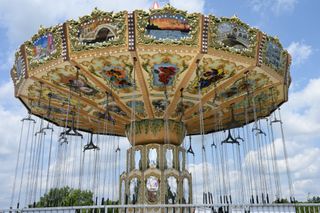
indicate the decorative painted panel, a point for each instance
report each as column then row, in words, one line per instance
column 18, row 71
column 274, row 55
column 172, row 190
column 182, row 107
column 116, row 72
column 164, row 69
column 254, row 82
column 69, row 78
column 134, row 190
column 232, row 35
column 152, row 186
column 45, row 46
column 138, row 106
column 160, row 106
column 98, row 30
column 212, row 72
column 168, row 25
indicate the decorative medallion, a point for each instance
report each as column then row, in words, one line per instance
column 152, row 188
column 164, row 69
column 163, row 74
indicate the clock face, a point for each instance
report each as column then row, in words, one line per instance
column 152, row 184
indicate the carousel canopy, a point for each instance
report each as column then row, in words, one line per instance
column 108, row 69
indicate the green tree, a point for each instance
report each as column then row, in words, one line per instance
column 281, row 200
column 66, row 196
column 315, row 199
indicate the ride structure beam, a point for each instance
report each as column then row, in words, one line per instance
column 142, row 84
column 219, row 87
column 103, row 87
column 193, row 122
column 173, row 103
column 121, row 121
column 81, row 98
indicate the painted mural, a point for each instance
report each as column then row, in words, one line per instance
column 210, row 77
column 58, row 105
column 45, row 108
column 117, row 76
column 115, row 72
column 139, row 107
column 104, row 116
column 18, row 70
column 274, row 55
column 233, row 35
column 254, row 82
column 211, row 72
column 160, row 106
column 168, row 26
column 98, row 30
column 68, row 78
column 57, row 98
column 80, row 85
column 114, row 108
column 152, row 188
column 164, row 69
column 182, row 107
column 163, row 74
column 19, row 66
column 263, row 101
column 205, row 109
column 43, row 47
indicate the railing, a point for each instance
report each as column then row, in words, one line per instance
column 180, row 208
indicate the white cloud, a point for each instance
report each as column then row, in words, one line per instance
column 300, row 52
column 276, row 6
column 301, row 113
column 280, row 6
column 190, row 5
column 24, row 20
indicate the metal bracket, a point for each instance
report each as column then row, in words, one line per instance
column 90, row 145
column 230, row 139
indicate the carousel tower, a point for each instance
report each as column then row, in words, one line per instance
column 156, row 164
column 156, row 77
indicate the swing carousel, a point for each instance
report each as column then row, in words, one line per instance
column 153, row 77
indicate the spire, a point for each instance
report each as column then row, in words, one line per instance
column 155, row 5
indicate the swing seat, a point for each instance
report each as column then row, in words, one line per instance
column 230, row 139
column 71, row 132
column 63, row 140
column 90, row 146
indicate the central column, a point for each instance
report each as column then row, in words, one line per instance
column 156, row 171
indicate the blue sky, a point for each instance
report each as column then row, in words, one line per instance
column 295, row 22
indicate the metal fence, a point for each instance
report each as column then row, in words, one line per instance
column 180, row 208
